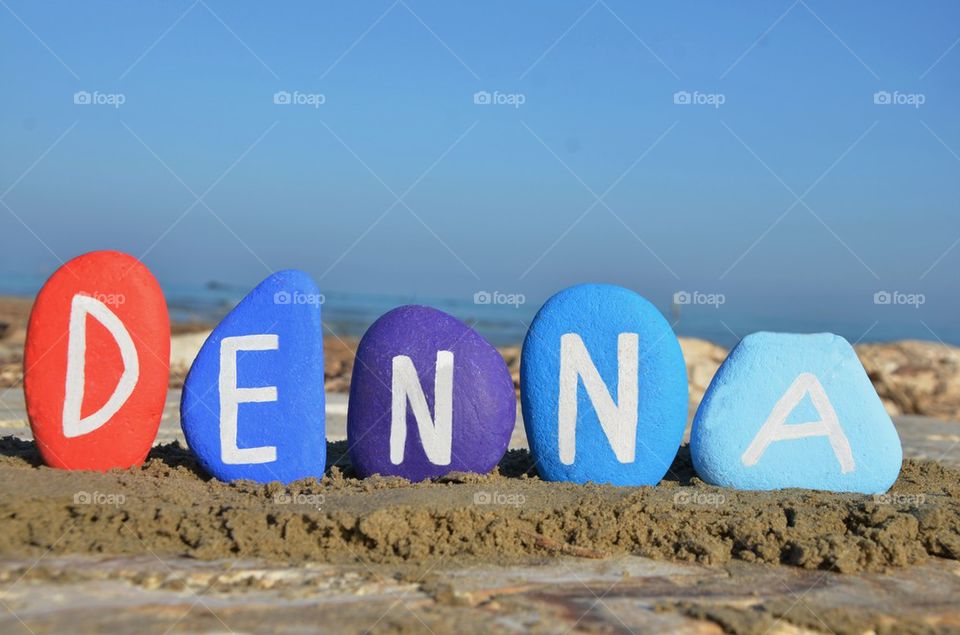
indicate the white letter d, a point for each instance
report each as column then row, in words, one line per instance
column 73, row 424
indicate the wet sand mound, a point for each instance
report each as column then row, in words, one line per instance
column 170, row 508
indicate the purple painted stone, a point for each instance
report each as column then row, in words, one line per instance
column 412, row 350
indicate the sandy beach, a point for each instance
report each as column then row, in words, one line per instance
column 175, row 509
column 723, row 237
column 503, row 551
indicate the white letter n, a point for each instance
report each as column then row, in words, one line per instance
column 231, row 397
column 618, row 420
column 436, row 435
column 775, row 428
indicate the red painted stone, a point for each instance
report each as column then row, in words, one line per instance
column 80, row 417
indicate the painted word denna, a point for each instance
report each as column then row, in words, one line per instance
column 603, row 387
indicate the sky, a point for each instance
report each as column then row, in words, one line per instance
column 766, row 165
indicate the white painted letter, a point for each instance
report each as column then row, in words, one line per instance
column 73, row 424
column 774, row 428
column 231, row 397
column 618, row 420
column 436, row 435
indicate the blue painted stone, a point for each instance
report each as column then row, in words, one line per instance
column 629, row 358
column 772, row 381
column 405, row 351
column 275, row 336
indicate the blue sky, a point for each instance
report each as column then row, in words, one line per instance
column 798, row 198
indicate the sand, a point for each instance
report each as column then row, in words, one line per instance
column 165, row 549
column 170, row 508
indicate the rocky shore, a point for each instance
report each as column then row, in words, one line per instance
column 912, row 377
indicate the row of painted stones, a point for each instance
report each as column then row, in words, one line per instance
column 603, row 385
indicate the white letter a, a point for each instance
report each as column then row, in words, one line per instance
column 775, row 428
column 73, row 424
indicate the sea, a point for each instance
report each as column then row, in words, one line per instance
column 349, row 314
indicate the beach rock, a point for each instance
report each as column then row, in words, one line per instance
column 603, row 388
column 789, row 410
column 96, row 363
column 9, row 352
column 14, row 313
column 184, row 348
column 253, row 403
column 703, row 358
column 11, row 374
column 511, row 355
column 338, row 355
column 429, row 396
column 914, row 377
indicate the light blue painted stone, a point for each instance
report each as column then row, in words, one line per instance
column 282, row 314
column 605, row 318
column 743, row 397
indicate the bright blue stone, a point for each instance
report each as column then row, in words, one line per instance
column 284, row 310
column 757, row 374
column 601, row 317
